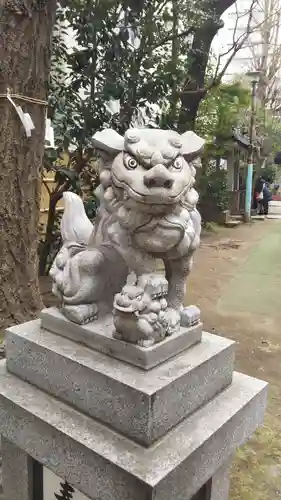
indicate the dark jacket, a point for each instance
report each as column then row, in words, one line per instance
column 261, row 186
column 267, row 195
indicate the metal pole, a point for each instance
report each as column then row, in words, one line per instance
column 249, row 181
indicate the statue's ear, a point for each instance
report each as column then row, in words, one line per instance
column 108, row 140
column 192, row 145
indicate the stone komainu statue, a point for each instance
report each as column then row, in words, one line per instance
column 147, row 212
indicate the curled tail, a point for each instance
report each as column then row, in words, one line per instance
column 75, row 225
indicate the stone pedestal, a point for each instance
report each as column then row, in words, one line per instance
column 120, row 422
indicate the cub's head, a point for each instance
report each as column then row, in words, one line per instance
column 150, row 167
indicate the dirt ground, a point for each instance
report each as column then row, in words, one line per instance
column 224, row 284
column 233, row 269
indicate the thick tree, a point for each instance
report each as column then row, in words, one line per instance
column 25, row 53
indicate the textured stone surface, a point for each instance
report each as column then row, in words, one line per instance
column 190, row 316
column 98, row 336
column 103, row 464
column 217, row 488
column 17, row 472
column 220, row 482
column 142, row 405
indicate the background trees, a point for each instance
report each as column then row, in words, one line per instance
column 122, row 64
column 134, row 63
column 265, row 50
column 219, row 113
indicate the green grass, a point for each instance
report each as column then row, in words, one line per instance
column 256, row 472
column 256, row 288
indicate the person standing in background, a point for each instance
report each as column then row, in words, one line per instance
column 262, row 196
column 258, row 194
column 267, row 197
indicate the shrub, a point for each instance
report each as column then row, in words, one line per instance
column 213, row 191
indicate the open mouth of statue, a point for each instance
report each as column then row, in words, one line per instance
column 154, row 196
column 126, row 309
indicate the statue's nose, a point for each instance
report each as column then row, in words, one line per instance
column 158, row 176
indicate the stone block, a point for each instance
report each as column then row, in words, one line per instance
column 98, row 335
column 103, row 464
column 190, row 316
column 143, row 405
column 17, row 472
column 220, row 483
column 217, row 488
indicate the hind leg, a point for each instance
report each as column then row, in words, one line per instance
column 177, row 272
column 80, row 285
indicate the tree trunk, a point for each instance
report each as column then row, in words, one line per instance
column 25, row 46
column 195, row 90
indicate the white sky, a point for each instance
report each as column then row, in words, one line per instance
column 223, row 41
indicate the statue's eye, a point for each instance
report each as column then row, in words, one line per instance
column 178, row 163
column 130, row 163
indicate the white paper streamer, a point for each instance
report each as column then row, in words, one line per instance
column 49, row 134
column 25, row 118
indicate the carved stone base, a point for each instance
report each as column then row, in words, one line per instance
column 113, row 430
column 99, row 336
column 143, row 405
column 103, row 464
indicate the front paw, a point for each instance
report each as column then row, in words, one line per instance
column 146, row 342
column 172, row 321
column 81, row 314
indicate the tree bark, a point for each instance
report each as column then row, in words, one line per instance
column 25, row 52
column 195, row 90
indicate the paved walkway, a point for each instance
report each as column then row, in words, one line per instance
column 256, row 287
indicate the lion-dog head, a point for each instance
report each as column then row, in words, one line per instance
column 149, row 167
